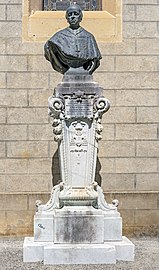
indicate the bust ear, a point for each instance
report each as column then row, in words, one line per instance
column 80, row 18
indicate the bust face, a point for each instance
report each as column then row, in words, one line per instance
column 74, row 16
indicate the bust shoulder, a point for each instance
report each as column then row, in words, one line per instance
column 68, row 31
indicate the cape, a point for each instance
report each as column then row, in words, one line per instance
column 71, row 45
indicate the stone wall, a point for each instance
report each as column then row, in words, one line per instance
column 129, row 152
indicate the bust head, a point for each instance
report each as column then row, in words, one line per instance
column 74, row 16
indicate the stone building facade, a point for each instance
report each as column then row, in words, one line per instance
column 129, row 152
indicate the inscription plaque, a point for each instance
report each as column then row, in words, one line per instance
column 82, row 108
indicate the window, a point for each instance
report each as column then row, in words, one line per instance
column 64, row 4
column 42, row 18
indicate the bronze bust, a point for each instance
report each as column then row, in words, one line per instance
column 73, row 47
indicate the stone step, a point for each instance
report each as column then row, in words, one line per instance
column 54, row 254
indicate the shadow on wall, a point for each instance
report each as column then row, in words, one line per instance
column 55, row 169
column 98, row 177
column 56, row 179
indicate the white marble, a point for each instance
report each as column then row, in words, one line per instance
column 51, row 253
column 33, row 251
column 78, row 225
column 43, row 227
column 125, row 249
column 83, row 224
column 79, row 254
column 112, row 228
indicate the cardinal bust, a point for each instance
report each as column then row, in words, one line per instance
column 73, row 47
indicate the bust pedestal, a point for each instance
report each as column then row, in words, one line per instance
column 77, row 225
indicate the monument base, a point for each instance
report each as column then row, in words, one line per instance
column 50, row 253
column 78, row 235
column 82, row 224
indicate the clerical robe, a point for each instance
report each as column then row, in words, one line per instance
column 72, row 48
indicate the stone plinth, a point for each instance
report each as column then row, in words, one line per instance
column 77, row 225
column 50, row 253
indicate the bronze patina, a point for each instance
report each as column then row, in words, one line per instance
column 73, row 47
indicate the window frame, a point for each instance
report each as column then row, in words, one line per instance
column 39, row 25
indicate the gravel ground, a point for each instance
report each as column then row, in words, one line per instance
column 146, row 257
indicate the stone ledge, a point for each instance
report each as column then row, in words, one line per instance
column 54, row 254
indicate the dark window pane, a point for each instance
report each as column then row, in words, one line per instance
column 64, row 4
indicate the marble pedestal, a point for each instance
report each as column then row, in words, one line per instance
column 77, row 225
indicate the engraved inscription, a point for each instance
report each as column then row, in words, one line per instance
column 83, row 108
